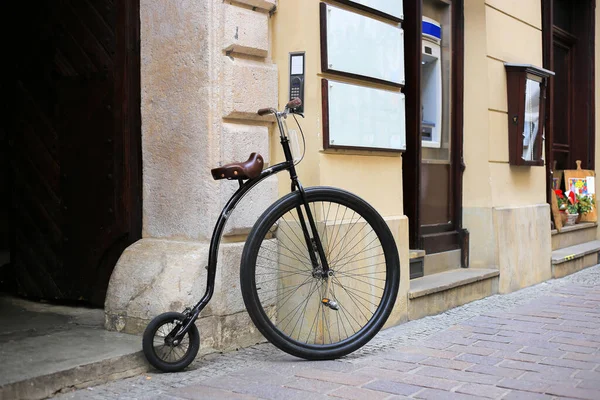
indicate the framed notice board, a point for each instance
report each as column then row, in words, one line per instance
column 361, row 47
column 392, row 9
column 358, row 117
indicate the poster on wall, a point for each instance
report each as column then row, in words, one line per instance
column 361, row 47
column 392, row 9
column 362, row 117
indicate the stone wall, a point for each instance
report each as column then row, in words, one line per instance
column 205, row 70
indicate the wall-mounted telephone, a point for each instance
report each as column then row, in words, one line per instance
column 297, row 78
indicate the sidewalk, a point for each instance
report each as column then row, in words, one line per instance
column 539, row 343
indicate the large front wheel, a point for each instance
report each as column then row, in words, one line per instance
column 315, row 311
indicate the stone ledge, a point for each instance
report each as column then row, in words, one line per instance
column 416, row 253
column 246, row 31
column 576, row 227
column 448, row 280
column 570, row 253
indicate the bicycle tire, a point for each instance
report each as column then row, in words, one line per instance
column 270, row 227
column 149, row 342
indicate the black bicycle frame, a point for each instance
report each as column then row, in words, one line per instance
column 312, row 244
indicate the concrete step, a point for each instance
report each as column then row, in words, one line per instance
column 47, row 349
column 571, row 259
column 573, row 235
column 439, row 292
column 441, row 262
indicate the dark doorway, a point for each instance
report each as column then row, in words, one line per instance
column 568, row 34
column 432, row 173
column 73, row 137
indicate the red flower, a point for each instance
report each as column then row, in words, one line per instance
column 559, row 193
column 572, row 198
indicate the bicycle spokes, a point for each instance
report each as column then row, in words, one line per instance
column 312, row 305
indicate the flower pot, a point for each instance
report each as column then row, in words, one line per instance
column 571, row 219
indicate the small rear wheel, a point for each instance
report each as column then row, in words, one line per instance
column 311, row 311
column 164, row 353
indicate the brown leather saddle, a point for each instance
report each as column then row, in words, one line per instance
column 240, row 170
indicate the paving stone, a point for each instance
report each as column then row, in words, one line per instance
column 525, row 366
column 393, row 387
column 197, row 392
column 509, row 355
column 436, row 345
column 498, row 346
column 445, row 363
column 488, row 391
column 593, row 358
column 273, row 392
column 390, row 364
column 406, row 357
column 429, row 352
column 491, row 338
column 476, row 359
column 560, row 362
column 542, row 352
column 576, row 349
column 312, row 385
column 482, row 351
column 409, row 378
column 334, row 376
column 518, row 395
column 575, row 342
column 432, row 394
column 560, row 390
column 588, row 375
column 454, row 375
column 549, row 377
column 527, row 386
column 355, row 393
column 495, row 371
column 589, row 384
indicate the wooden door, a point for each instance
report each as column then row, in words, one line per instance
column 75, row 145
column 433, row 177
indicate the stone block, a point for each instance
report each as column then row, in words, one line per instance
column 154, row 276
column 248, row 86
column 250, row 207
column 246, row 31
column 399, row 227
column 239, row 140
column 264, row 4
column 523, row 248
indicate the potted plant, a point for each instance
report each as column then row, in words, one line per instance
column 585, row 204
column 567, row 205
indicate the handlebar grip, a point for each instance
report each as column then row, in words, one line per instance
column 264, row 111
column 294, row 103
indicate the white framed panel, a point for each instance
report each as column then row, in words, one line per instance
column 393, row 9
column 360, row 46
column 363, row 117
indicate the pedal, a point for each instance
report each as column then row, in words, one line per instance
column 331, row 304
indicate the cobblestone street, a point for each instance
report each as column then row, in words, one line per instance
column 542, row 342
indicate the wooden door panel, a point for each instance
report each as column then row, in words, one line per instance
column 72, row 192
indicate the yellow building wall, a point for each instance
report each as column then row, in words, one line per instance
column 504, row 206
column 374, row 176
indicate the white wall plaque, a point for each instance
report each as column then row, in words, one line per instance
column 362, row 117
column 362, row 47
column 386, row 8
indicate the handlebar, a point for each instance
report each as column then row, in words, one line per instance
column 292, row 104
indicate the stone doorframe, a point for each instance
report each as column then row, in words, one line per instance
column 205, row 70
